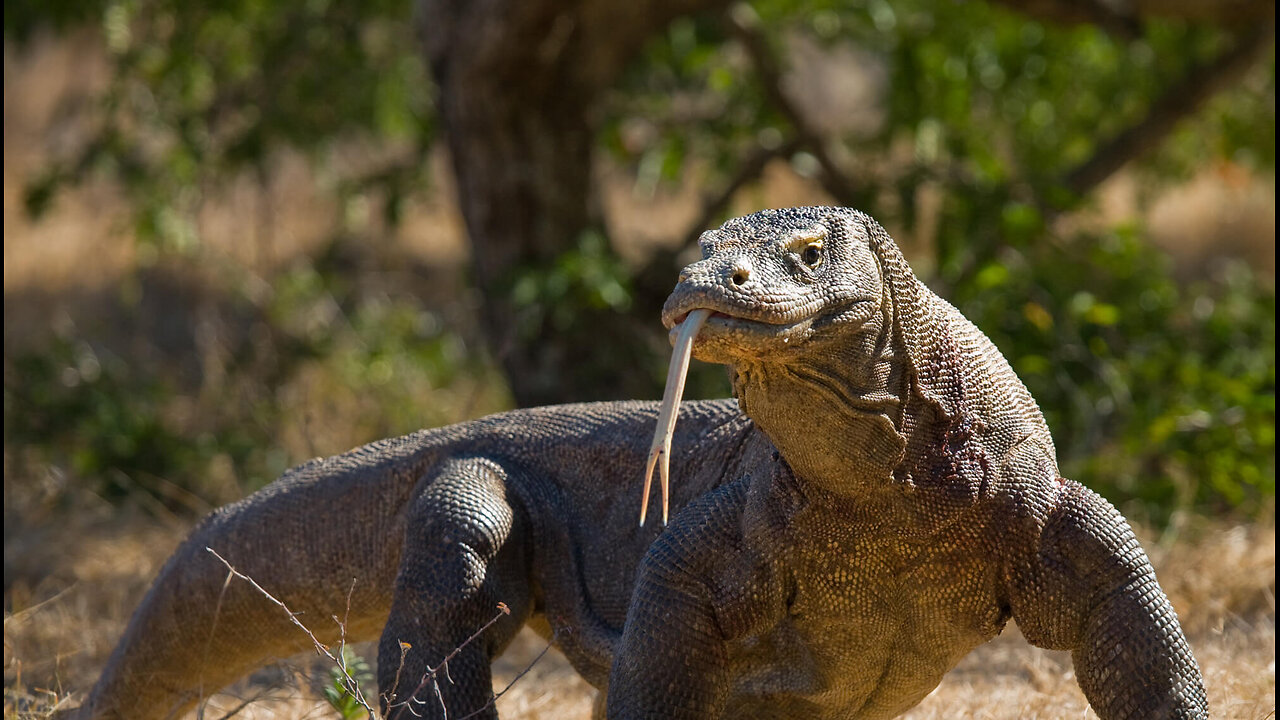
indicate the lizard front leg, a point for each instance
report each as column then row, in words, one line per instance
column 697, row 589
column 466, row 550
column 1088, row 587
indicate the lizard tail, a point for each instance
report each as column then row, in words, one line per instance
column 324, row 540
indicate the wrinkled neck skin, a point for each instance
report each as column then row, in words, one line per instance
column 835, row 408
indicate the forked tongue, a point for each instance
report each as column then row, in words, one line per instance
column 660, row 450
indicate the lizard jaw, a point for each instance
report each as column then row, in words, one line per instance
column 728, row 338
column 734, row 334
column 684, row 330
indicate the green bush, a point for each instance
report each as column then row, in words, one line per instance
column 1160, row 394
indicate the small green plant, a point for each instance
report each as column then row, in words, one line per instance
column 336, row 692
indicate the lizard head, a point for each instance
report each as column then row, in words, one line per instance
column 801, row 305
column 778, row 284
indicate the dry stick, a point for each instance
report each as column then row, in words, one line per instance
column 208, row 644
column 342, row 630
column 243, row 704
column 431, row 675
column 390, row 695
column 504, row 690
column 349, row 682
column 31, row 610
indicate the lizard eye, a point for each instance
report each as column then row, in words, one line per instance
column 812, row 254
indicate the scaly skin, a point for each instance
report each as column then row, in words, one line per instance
column 915, row 506
column 533, row 508
column 889, row 500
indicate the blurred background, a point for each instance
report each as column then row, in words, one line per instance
column 240, row 234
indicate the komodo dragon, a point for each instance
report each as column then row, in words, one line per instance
column 883, row 501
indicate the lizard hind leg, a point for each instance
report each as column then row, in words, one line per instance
column 466, row 550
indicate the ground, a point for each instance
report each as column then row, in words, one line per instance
column 70, row 587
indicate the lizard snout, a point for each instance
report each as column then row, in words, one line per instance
column 720, row 283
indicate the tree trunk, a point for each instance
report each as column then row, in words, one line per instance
column 517, row 82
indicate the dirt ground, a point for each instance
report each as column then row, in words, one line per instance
column 74, row 573
column 77, row 582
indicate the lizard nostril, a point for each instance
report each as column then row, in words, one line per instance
column 741, row 276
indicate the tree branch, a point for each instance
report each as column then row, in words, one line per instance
column 744, row 25
column 1114, row 15
column 749, row 170
column 1178, row 102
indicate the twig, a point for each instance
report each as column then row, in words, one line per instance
column 432, row 672
column 208, row 643
column 504, row 690
column 342, row 630
column 352, row 685
column 349, row 682
column 1116, row 18
column 390, row 695
column 243, row 704
column 30, row 610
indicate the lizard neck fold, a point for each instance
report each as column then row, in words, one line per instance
column 836, row 413
column 920, row 332
column 844, row 413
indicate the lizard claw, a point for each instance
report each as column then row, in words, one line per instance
column 660, row 449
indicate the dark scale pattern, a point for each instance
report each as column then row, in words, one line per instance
column 532, row 508
column 914, row 508
column 882, row 498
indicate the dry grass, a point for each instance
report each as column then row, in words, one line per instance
column 1222, row 582
column 75, row 587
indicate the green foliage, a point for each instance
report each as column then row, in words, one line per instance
column 1237, row 129
column 201, row 94
column 576, row 306
column 687, row 104
column 203, row 91
column 1160, row 392
column 394, row 358
column 336, row 692
column 586, row 278
column 992, row 104
column 324, row 368
column 93, row 414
